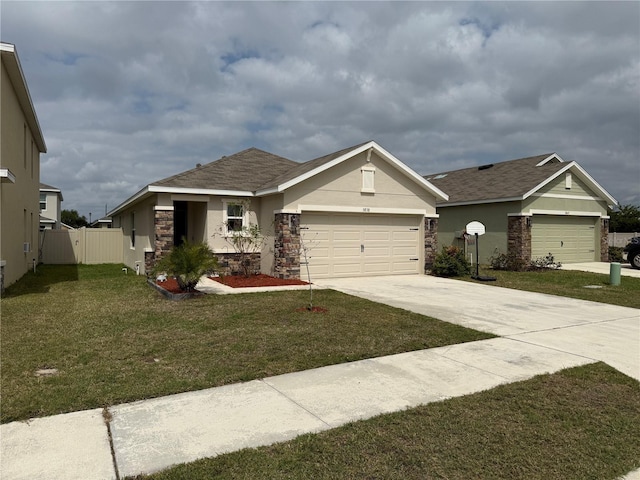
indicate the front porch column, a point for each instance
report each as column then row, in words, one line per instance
column 519, row 237
column 604, row 239
column 430, row 242
column 163, row 228
column 286, row 245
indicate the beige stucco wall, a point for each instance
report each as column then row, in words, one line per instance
column 340, row 186
column 215, row 220
column 493, row 216
column 19, row 201
column 269, row 205
column 145, row 234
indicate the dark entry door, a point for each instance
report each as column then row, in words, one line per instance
column 180, row 215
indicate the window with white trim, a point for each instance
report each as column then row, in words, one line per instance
column 43, row 201
column 368, row 179
column 234, row 216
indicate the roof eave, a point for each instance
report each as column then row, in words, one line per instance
column 19, row 82
column 151, row 189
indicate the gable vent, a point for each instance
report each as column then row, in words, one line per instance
column 485, row 167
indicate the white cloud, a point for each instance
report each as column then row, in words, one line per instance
column 131, row 92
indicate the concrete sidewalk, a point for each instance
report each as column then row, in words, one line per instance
column 541, row 334
column 150, row 435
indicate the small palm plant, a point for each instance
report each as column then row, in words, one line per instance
column 187, row 263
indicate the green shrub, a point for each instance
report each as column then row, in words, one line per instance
column 509, row 262
column 615, row 254
column 451, row 263
column 187, row 263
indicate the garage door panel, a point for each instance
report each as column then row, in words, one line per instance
column 405, row 267
column 568, row 239
column 372, row 236
column 336, row 241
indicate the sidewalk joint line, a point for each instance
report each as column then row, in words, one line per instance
column 106, row 415
column 575, row 325
column 295, row 403
column 555, row 349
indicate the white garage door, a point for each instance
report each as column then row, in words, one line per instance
column 349, row 245
column 568, row 239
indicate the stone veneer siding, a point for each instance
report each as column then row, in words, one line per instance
column 430, row 242
column 149, row 262
column 163, row 226
column 287, row 245
column 519, row 237
column 604, row 239
column 231, row 263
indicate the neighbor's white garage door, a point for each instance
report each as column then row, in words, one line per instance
column 348, row 245
column 568, row 239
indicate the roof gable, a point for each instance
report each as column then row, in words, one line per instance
column 321, row 164
column 508, row 181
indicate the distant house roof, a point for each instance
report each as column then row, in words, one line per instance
column 10, row 59
column 48, row 188
column 508, row 181
column 254, row 172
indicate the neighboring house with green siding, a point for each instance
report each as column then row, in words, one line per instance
column 530, row 207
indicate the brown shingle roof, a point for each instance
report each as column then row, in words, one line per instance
column 243, row 171
column 306, row 167
column 510, row 179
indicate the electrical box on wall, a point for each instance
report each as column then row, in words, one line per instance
column 26, row 247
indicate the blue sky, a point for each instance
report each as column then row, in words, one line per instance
column 132, row 92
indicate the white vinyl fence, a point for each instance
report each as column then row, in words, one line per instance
column 85, row 245
column 620, row 239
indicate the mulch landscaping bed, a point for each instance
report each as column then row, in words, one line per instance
column 260, row 280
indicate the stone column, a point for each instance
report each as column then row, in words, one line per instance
column 163, row 226
column 430, row 242
column 604, row 239
column 519, row 237
column 286, row 245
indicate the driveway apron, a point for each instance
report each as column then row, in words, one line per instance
column 597, row 331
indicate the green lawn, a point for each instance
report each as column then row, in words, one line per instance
column 581, row 423
column 568, row 283
column 114, row 339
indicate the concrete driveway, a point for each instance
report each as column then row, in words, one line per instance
column 626, row 270
column 593, row 330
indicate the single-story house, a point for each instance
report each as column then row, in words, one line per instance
column 530, row 207
column 358, row 211
column 50, row 207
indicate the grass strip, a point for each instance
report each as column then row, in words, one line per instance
column 580, row 423
column 568, row 283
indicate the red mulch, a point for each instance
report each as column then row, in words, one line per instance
column 171, row 285
column 260, row 280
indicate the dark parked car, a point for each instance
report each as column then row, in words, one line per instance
column 631, row 253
